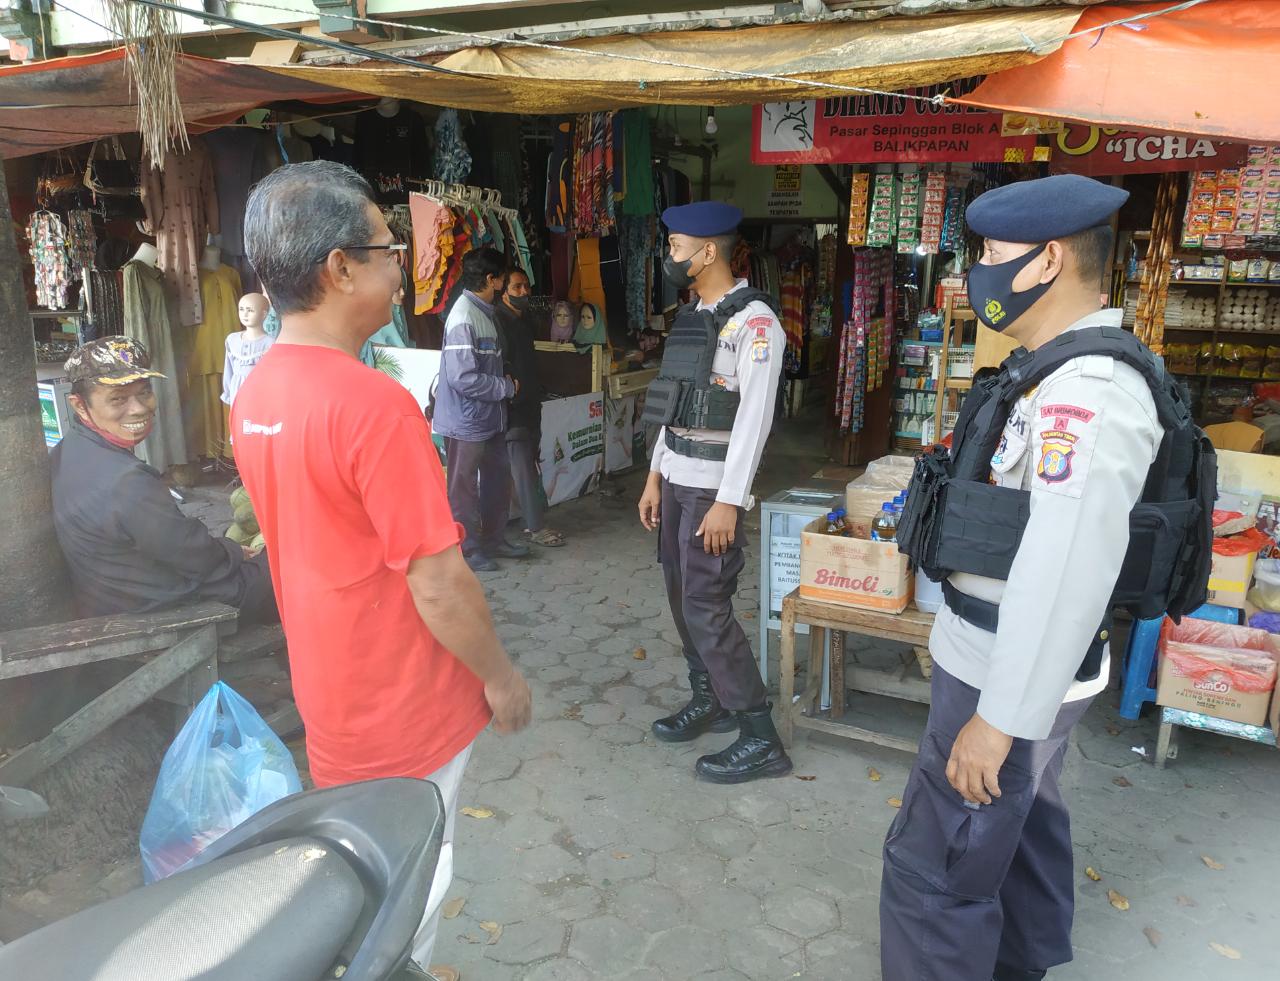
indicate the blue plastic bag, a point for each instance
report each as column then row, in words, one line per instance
column 224, row 766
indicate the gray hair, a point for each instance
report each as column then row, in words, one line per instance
column 295, row 217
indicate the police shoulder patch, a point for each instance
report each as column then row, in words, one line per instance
column 760, row 322
column 760, row 351
column 728, row 328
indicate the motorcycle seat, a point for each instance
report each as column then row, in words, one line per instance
column 279, row 912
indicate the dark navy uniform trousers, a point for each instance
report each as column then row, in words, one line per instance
column 966, row 887
column 700, row 589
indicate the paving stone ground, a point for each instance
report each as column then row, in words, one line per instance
column 604, row 859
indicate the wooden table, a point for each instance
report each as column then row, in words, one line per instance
column 910, row 627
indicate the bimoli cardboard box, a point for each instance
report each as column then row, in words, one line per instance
column 851, row 571
column 1229, row 578
column 1234, row 683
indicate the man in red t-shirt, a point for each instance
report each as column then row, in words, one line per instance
column 396, row 666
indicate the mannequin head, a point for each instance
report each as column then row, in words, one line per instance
column 588, row 317
column 387, row 108
column 147, row 254
column 563, row 320
column 253, row 311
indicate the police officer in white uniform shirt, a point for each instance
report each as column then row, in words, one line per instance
column 978, row 878
column 714, row 398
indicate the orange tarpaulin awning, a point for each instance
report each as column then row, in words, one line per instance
column 1205, row 70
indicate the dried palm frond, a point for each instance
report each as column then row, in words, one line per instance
column 151, row 39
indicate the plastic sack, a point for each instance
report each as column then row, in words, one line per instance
column 1265, row 594
column 1270, row 622
column 224, row 766
column 1204, row 650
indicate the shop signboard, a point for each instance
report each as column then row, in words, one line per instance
column 1102, row 152
column 573, row 445
column 881, row 129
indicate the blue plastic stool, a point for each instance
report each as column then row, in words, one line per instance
column 1140, row 656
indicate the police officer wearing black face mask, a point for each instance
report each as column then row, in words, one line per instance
column 714, row 399
column 978, row 875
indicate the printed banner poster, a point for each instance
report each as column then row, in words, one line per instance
column 572, row 450
column 1096, row 152
column 881, row 129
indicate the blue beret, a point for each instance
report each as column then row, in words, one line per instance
column 1045, row 209
column 705, row 219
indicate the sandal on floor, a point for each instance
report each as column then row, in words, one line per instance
column 547, row 538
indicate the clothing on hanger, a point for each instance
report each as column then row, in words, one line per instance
column 47, row 238
column 181, row 201
column 150, row 316
column 206, row 432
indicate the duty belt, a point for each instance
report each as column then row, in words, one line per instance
column 986, row 616
column 715, row 452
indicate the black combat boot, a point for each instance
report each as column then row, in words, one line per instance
column 757, row 753
column 702, row 714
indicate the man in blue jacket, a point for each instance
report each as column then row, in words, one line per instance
column 471, row 414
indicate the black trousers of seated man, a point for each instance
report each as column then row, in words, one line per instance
column 700, row 589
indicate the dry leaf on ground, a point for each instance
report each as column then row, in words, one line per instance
column 1230, row 953
column 573, row 713
column 873, row 774
column 453, row 907
column 799, row 777
column 621, row 856
column 1093, row 874
column 1121, row 782
column 494, row 930
column 639, row 654
column 477, row 812
column 1185, row 901
column 1216, row 866
column 895, row 801
column 1116, row 900
column 1153, row 935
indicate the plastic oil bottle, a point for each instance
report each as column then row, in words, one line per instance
column 884, row 528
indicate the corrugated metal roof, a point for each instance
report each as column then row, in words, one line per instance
column 837, row 12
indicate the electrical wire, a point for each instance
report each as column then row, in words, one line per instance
column 284, row 35
column 1121, row 22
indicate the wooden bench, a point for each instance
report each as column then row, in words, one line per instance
column 177, row 650
column 909, row 627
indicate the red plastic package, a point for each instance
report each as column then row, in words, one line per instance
column 1244, row 543
column 1220, row 518
column 1205, row 648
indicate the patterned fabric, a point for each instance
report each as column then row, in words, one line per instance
column 860, row 369
column 47, row 236
column 635, row 240
column 242, row 353
column 106, row 304
column 593, row 194
column 182, row 211
column 560, row 179
column 82, row 242
column 794, row 292
column 453, row 159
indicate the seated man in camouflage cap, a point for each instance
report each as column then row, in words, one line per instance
column 128, row 546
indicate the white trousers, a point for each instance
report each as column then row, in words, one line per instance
column 449, row 779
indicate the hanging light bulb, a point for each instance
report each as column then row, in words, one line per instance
column 712, row 126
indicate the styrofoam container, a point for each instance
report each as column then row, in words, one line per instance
column 928, row 593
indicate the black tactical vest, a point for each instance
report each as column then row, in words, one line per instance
column 682, row 395
column 956, row 520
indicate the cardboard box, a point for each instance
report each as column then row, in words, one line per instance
column 852, row 572
column 1235, row 684
column 1229, row 578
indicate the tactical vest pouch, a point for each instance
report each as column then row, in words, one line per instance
column 713, row 408
column 1156, row 534
column 662, row 401
column 980, row 527
column 920, row 514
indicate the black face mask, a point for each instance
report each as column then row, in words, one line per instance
column 518, row 303
column 991, row 292
column 676, row 271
